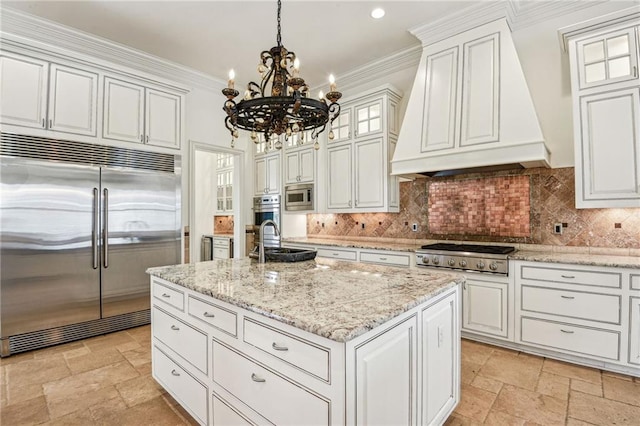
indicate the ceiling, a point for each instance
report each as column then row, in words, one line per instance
column 215, row 36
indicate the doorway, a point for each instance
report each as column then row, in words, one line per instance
column 203, row 196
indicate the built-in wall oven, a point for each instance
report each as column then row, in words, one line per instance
column 298, row 197
column 266, row 207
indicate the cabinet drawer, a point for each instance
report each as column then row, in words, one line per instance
column 385, row 259
column 337, row 254
column 571, row 338
column 213, row 315
column 220, row 253
column 224, row 414
column 188, row 391
column 279, row 400
column 574, row 304
column 571, row 276
column 293, row 350
column 169, row 296
column 185, row 340
column 635, row 282
column 221, row 242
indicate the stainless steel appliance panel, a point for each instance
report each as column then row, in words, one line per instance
column 140, row 229
column 267, row 207
column 49, row 271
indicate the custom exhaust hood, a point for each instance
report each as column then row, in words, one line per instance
column 470, row 106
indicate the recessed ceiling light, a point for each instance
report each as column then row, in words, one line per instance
column 377, row 13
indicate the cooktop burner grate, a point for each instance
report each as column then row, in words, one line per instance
column 470, row 248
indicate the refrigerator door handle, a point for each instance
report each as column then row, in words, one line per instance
column 105, row 229
column 95, row 231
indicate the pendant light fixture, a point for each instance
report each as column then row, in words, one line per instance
column 281, row 105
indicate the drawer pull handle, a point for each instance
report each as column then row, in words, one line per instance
column 175, row 327
column 567, row 297
column 257, row 379
column 166, row 295
column 275, row 346
column 175, row 373
column 383, row 258
column 568, row 276
column 567, row 331
column 335, row 254
column 208, row 315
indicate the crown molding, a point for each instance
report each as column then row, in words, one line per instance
column 518, row 14
column 618, row 17
column 19, row 27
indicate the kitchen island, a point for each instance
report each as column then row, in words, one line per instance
column 315, row 342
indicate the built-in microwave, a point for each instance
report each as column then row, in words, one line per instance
column 298, row 197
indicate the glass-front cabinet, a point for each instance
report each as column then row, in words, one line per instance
column 608, row 58
column 224, row 184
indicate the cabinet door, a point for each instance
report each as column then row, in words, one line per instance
column 162, row 119
column 480, row 91
column 259, row 177
column 291, row 167
column 634, row 331
column 484, row 307
column 341, row 126
column 339, row 176
column 440, row 363
column 608, row 162
column 368, row 118
column 273, row 174
column 369, row 174
column 23, row 91
column 441, row 87
column 73, row 100
column 123, row 113
column 386, row 379
column 307, row 165
column 608, row 58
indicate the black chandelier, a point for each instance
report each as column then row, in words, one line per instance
column 281, row 104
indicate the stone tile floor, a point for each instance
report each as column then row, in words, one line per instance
column 106, row 380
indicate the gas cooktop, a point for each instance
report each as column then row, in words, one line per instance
column 468, row 257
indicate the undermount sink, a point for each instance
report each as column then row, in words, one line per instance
column 281, row 254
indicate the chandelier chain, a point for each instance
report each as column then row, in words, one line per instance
column 279, row 39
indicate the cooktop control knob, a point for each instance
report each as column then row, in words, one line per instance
column 493, row 266
column 463, row 263
column 451, row 262
column 425, row 259
column 436, row 261
column 480, row 265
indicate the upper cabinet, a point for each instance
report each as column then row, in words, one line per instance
column 358, row 175
column 470, row 107
column 133, row 113
column 224, row 186
column 607, row 58
column 606, row 111
column 44, row 98
column 43, row 95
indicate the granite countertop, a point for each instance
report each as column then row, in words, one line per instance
column 333, row 299
column 530, row 252
column 578, row 258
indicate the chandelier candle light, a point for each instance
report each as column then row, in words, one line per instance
column 281, row 104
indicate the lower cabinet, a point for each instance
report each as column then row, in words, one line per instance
column 634, row 331
column 485, row 305
column 405, row 371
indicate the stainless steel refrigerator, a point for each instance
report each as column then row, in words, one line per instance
column 79, row 225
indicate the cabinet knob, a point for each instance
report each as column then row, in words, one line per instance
column 147, row 138
column 50, row 123
column 44, row 124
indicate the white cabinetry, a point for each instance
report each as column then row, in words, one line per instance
column 386, row 385
column 52, row 97
column 257, row 370
column 634, row 331
column 300, row 165
column 606, row 111
column 222, row 247
column 224, row 184
column 579, row 313
column 485, row 306
column 267, row 174
column 358, row 178
column 134, row 113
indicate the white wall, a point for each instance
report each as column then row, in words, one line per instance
column 204, row 198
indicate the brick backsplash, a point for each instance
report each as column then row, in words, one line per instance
column 516, row 206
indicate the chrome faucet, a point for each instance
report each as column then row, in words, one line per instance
column 261, row 257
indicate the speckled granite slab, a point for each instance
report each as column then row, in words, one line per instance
column 578, row 259
column 334, row 299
